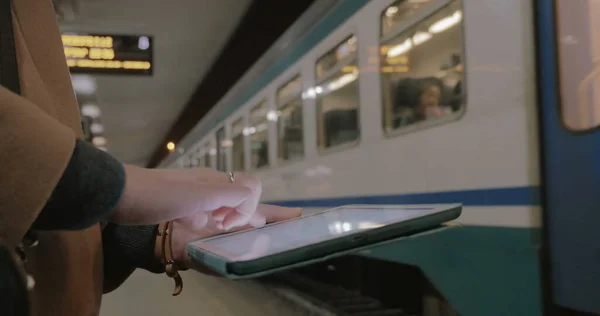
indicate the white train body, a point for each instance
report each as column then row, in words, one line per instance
column 484, row 155
column 516, row 61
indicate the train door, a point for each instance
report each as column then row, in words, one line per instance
column 568, row 56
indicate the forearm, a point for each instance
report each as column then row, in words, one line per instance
column 86, row 194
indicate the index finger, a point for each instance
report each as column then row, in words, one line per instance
column 245, row 212
column 272, row 213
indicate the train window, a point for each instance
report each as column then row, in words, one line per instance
column 194, row 160
column 422, row 71
column 237, row 148
column 221, row 147
column 200, row 160
column 398, row 12
column 344, row 51
column 289, row 121
column 207, row 162
column 186, row 162
column 259, row 135
column 579, row 63
column 336, row 96
column 291, row 89
column 201, row 157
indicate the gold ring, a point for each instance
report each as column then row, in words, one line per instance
column 231, row 177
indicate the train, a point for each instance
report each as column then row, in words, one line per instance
column 492, row 104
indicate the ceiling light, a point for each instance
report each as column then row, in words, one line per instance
column 170, row 146
column 143, row 43
column 273, row 115
column 391, row 11
column 83, row 84
column 96, row 128
column 226, row 143
column 248, row 131
column 309, row 94
column 99, row 141
column 446, row 22
column 90, row 110
column 342, row 81
column 400, row 48
column 421, row 37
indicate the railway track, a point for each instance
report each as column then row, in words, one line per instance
column 317, row 298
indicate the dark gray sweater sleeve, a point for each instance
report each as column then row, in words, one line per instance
column 129, row 246
column 88, row 190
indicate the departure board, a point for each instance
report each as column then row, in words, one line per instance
column 108, row 54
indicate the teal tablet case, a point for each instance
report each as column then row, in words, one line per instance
column 415, row 227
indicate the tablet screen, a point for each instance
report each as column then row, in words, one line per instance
column 304, row 231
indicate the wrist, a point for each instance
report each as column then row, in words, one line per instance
column 164, row 251
column 133, row 245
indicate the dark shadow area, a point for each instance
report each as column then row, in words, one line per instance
column 264, row 22
column 354, row 285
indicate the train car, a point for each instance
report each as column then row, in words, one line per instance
column 488, row 103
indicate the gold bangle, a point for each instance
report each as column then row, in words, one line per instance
column 165, row 253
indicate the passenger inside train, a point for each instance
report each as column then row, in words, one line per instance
column 418, row 100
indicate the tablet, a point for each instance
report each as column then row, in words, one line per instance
column 318, row 235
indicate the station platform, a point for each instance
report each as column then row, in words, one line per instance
column 202, row 295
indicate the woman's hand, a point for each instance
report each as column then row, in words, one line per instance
column 152, row 196
column 183, row 233
column 201, row 202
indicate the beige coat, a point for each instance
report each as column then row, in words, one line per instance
column 37, row 136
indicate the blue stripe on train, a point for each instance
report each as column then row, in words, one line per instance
column 512, row 196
